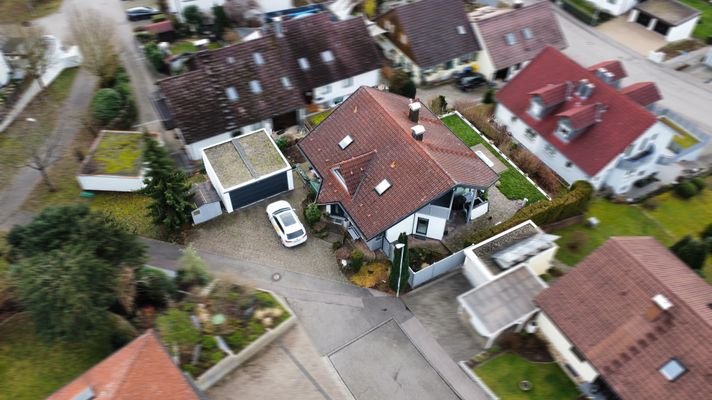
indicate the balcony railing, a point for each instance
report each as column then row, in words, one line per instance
column 436, row 211
column 637, row 160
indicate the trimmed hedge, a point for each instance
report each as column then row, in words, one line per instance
column 573, row 203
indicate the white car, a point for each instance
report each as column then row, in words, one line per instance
column 285, row 222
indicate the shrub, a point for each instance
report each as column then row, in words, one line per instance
column 256, row 330
column 106, row 105
column 208, row 343
column 577, row 241
column 215, row 356
column 192, row 15
column 282, row 143
column 489, row 97
column 401, row 83
column 153, row 287
column 692, row 252
column 312, row 214
column 438, row 105
column 511, row 341
column 158, row 18
column 686, row 189
column 237, row 340
column 192, row 270
column 155, row 57
column 699, row 183
column 707, row 232
column 356, row 260
column 190, row 369
column 143, row 37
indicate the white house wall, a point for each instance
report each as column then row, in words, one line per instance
column 562, row 346
column 615, row 7
column 194, row 149
column 541, row 262
column 406, row 225
column 4, row 71
column 682, row 31
column 485, row 66
column 339, row 91
column 474, row 270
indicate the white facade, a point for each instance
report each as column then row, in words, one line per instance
column 674, row 33
column 435, row 216
column 336, row 92
column 111, row 183
column 4, row 71
column 563, row 349
column 615, row 7
column 194, row 149
column 177, row 6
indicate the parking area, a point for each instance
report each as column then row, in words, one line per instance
column 410, row 375
column 632, row 35
column 452, row 94
column 435, row 305
column 246, row 234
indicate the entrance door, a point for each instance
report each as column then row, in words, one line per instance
column 661, row 28
column 643, row 19
column 284, row 121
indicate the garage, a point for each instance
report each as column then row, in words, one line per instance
column 672, row 19
column 247, row 169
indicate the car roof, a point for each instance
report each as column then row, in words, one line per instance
column 289, row 220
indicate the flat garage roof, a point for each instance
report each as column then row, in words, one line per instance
column 387, row 351
column 670, row 11
column 245, row 158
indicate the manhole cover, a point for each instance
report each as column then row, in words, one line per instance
column 276, row 276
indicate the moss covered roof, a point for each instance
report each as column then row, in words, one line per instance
column 115, row 153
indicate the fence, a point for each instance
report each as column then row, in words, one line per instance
column 434, row 270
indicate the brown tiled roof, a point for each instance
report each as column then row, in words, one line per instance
column 419, row 171
column 198, row 101
column 613, row 66
column 643, row 93
column 601, row 307
column 160, row 27
column 538, row 17
column 431, row 28
column 553, row 94
column 140, row 370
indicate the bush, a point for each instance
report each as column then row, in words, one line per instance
column 356, row 260
column 192, row 15
column 237, row 341
column 208, row 343
column 106, row 105
column 158, row 18
column 686, row 189
column 707, row 232
column 192, row 270
column 155, row 57
column 401, row 83
column 153, row 287
column 312, row 214
column 438, row 105
column 692, row 252
column 143, row 37
column 699, row 183
column 256, row 330
column 282, row 143
column 489, row 97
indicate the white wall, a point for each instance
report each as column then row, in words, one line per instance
column 475, row 271
column 206, row 212
column 541, row 262
column 325, row 95
column 615, row 7
column 406, row 225
column 562, row 345
column 4, row 71
column 682, row 31
column 177, row 6
column 111, row 183
column 194, row 149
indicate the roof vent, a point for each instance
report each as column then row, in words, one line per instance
column 230, row 60
column 461, row 30
column 418, row 132
column 662, row 302
column 382, row 187
column 518, row 4
column 327, row 56
column 414, row 111
column 345, row 142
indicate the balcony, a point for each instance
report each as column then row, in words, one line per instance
column 638, row 160
column 436, row 211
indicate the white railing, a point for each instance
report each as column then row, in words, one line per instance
column 436, row 269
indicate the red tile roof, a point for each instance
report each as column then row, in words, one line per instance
column 613, row 66
column 553, row 94
column 383, row 148
column 581, row 116
column 160, row 27
column 643, row 93
column 538, row 17
column 140, row 370
column 603, row 306
column 622, row 123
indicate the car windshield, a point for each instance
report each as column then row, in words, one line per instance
column 295, row 235
column 287, row 218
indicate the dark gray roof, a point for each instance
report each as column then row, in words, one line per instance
column 204, row 193
column 198, row 102
column 670, row 11
column 488, row 249
column 431, row 27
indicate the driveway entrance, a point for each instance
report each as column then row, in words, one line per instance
column 633, row 35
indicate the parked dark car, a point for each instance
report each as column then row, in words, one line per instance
column 470, row 81
column 139, row 13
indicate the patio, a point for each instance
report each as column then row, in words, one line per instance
column 632, row 35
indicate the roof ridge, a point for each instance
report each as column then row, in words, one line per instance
column 137, row 353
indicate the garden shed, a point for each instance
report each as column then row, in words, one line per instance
column 247, row 169
column 114, row 163
column 207, row 203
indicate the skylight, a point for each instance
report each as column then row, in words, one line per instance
column 255, row 87
column 231, row 93
column 230, row 60
column 327, row 56
column 461, row 30
column 527, row 33
column 382, row 187
column 303, row 64
column 510, row 39
column 672, row 369
column 258, row 58
column 286, row 83
column 345, row 142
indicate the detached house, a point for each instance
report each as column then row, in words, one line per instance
column 631, row 322
column 585, row 125
column 388, row 165
column 432, row 39
column 267, row 82
column 512, row 37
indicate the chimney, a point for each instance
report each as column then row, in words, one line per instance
column 518, row 4
column 414, row 111
column 418, row 132
column 277, row 26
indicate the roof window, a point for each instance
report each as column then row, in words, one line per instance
column 286, row 83
column 527, row 33
column 672, row 369
column 461, row 30
column 258, row 58
column 231, row 93
column 345, row 142
column 327, row 56
column 382, row 187
column 230, row 60
column 510, row 39
column 255, row 87
column 303, row 63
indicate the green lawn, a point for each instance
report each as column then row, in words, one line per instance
column 14, row 11
column 316, row 119
column 32, row 369
column 511, row 183
column 703, row 30
column 503, row 373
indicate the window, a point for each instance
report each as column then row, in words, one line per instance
column 672, row 369
column 258, row 58
column 535, row 108
column 303, row 64
column 286, row 83
column 578, row 354
column 571, row 370
column 230, row 60
column 530, row 134
column 467, row 58
column 527, row 33
column 564, row 130
column 382, row 187
column 612, row 1
column 550, row 150
column 449, row 65
column 403, row 38
column 643, row 144
column 461, row 30
column 345, row 142
column 513, row 118
column 231, row 93
column 326, row 89
column 327, row 56
column 510, row 39
column 255, row 87
column 421, row 228
column 348, row 82
column 340, row 178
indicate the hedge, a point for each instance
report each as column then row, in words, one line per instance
column 573, row 203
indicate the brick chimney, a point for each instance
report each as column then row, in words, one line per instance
column 414, row 111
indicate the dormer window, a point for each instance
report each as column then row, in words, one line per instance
column 286, row 83
column 510, row 38
column 327, row 56
column 231, row 94
column 303, row 63
column 527, row 33
column 339, row 177
column 672, row 369
column 345, row 142
column 536, row 108
column 382, row 187
column 564, row 129
column 255, row 87
column 461, row 30
column 258, row 58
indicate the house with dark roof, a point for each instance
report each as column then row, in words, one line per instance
column 432, row 39
column 142, row 369
column 389, row 165
column 584, row 126
column 631, row 321
column 268, row 82
column 512, row 37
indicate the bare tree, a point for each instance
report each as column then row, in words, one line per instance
column 37, row 154
column 95, row 34
column 32, row 49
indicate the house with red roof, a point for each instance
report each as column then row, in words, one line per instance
column 142, row 369
column 388, row 165
column 631, row 322
column 585, row 125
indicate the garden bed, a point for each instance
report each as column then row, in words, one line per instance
column 422, row 257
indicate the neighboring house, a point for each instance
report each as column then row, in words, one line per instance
column 163, row 31
column 670, row 18
column 630, row 322
column 432, row 39
column 388, row 165
column 269, row 81
column 581, row 125
column 206, row 6
column 511, row 37
column 142, row 369
column 247, row 169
